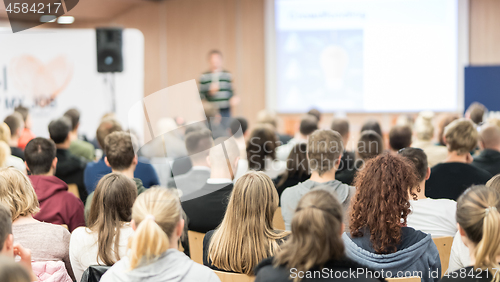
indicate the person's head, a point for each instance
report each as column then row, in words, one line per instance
column 372, row 124
column 370, row 145
column 494, row 183
column 267, row 117
column 316, row 232
column 6, row 237
column 215, row 59
column 384, row 183
column 223, row 158
column 246, row 234
column 74, row 116
column 308, row 124
column 198, row 144
column 489, row 137
column 15, row 123
column 119, row 150
column 461, row 136
column 341, row 125
column 475, row 112
column 40, row 156
column 17, row 194
column 158, row 224
column 478, row 219
column 261, row 144
column 419, row 160
column 443, row 122
column 324, row 149
column 59, row 130
column 25, row 113
column 296, row 163
column 10, row 271
column 107, row 126
column 315, row 113
column 4, row 132
column 423, row 127
column 111, row 206
column 4, row 153
column 400, row 137
column 236, row 124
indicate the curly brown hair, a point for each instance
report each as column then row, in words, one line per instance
column 381, row 203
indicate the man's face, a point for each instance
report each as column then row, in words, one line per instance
column 215, row 61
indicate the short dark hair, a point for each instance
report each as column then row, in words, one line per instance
column 39, row 154
column 214, row 51
column 235, row 125
column 324, row 147
column 119, row 150
column 74, row 115
column 372, row 124
column 341, row 125
column 59, row 129
column 5, row 224
column 400, row 137
column 315, row 113
column 107, row 126
column 476, row 112
column 418, row 158
column 14, row 121
column 308, row 124
column 23, row 111
column 370, row 145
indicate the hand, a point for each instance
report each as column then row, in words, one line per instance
column 25, row 255
column 214, row 88
column 234, row 101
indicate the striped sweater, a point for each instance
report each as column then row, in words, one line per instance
column 220, row 99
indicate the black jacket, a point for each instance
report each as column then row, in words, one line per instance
column 70, row 170
column 488, row 160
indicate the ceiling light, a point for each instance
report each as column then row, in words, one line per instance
column 48, row 19
column 65, row 20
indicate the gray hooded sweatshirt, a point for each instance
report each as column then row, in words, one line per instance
column 171, row 266
column 292, row 195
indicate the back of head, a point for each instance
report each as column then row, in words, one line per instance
column 10, row 271
column 316, row 232
column 419, row 160
column 23, row 111
column 59, row 129
column 16, row 193
column 324, row 148
column 478, row 215
column 4, row 132
column 370, row 145
column 494, row 183
column 296, row 164
column 372, row 124
column 308, row 124
column 198, row 143
column 476, row 112
column 15, row 122
column 400, row 137
column 265, row 116
column 341, row 125
column 461, row 136
column 315, row 113
column 443, row 122
column 383, row 183
column 119, row 150
column 4, row 153
column 423, row 126
column 5, row 225
column 489, row 136
column 74, row 116
column 111, row 206
column 156, row 213
column 107, row 126
column 261, row 144
column 39, row 154
column 246, row 234
column 236, row 124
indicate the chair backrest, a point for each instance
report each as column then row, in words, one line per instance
column 443, row 245
column 235, row 277
column 278, row 222
column 404, row 279
column 196, row 246
column 94, row 273
column 73, row 189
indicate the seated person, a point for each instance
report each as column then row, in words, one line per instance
column 378, row 237
column 57, row 205
column 245, row 236
column 324, row 150
column 308, row 124
column 261, row 151
column 297, row 169
column 79, row 147
column 399, row 137
column 449, row 179
column 314, row 245
column 433, row 216
column 489, row 143
column 27, row 134
column 16, row 125
column 346, row 168
column 424, row 134
column 69, row 167
column 47, row 242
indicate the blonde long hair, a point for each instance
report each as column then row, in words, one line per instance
column 246, row 234
column 156, row 213
column 17, row 193
column 478, row 214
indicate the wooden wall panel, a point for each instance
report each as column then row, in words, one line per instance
column 484, row 32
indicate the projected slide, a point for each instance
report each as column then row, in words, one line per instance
column 366, row 56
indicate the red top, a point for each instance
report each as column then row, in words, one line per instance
column 25, row 137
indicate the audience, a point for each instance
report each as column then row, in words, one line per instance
column 424, row 133
column 479, row 226
column 489, row 143
column 433, row 216
column 48, row 243
column 16, row 126
column 443, row 122
column 153, row 255
column 95, row 170
column 372, row 124
column 78, row 147
column 324, row 150
column 267, row 117
column 370, row 145
column 6, row 159
column 261, row 151
column 26, row 135
column 57, row 205
column 400, row 137
column 378, row 236
column 105, row 240
column 205, row 208
column 449, row 179
column 475, row 112
column 314, row 245
column 297, row 169
column 308, row 124
column 246, row 234
column 315, row 113
column 69, row 167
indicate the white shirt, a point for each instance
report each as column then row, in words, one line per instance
column 436, row 217
column 459, row 257
column 83, row 248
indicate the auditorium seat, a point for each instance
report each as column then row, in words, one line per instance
column 443, row 245
column 237, row 277
column 196, row 246
column 278, row 222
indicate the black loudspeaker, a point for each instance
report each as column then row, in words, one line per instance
column 109, row 49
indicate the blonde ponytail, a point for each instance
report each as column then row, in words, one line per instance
column 156, row 213
column 488, row 249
